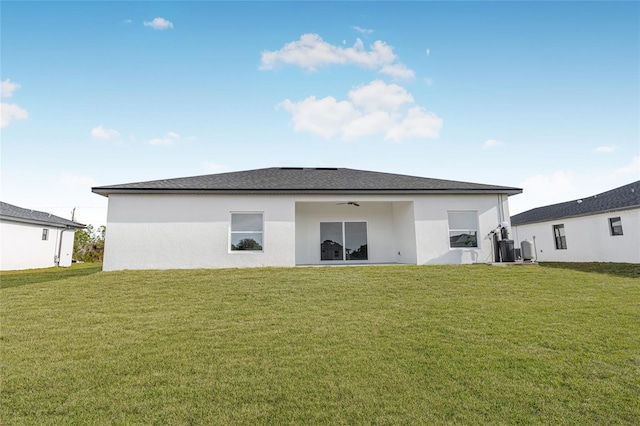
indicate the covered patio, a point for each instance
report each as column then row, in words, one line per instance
column 348, row 232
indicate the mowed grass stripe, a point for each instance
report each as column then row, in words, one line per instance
column 374, row 345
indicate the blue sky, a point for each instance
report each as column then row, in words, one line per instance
column 540, row 95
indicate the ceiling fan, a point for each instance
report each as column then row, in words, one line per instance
column 351, row 203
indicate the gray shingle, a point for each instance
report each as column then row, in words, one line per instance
column 11, row 212
column 624, row 197
column 304, row 180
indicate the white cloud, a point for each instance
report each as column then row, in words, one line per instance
column 544, row 189
column 418, row 123
column 70, row 180
column 362, row 30
column 168, row 139
column 7, row 88
column 633, row 168
column 213, row 167
column 375, row 122
column 324, row 117
column 428, row 52
column 159, row 24
column 492, row 143
column 561, row 186
column 374, row 109
column 428, row 81
column 379, row 95
column 311, row 52
column 9, row 112
column 101, row 133
column 127, row 21
column 605, row 149
column 398, row 71
column 558, row 183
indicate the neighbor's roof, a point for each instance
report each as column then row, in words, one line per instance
column 18, row 214
column 299, row 180
column 622, row 198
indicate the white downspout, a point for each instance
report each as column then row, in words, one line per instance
column 57, row 258
column 500, row 210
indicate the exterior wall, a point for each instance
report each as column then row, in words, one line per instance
column 22, row 246
column 432, row 227
column 192, row 231
column 404, row 225
column 588, row 238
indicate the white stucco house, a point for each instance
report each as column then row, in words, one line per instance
column 600, row 228
column 287, row 216
column 33, row 239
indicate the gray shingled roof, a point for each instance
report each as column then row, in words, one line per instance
column 18, row 214
column 622, row 198
column 279, row 180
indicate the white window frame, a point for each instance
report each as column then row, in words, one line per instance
column 562, row 239
column 344, row 245
column 477, row 230
column 231, row 233
column 45, row 234
column 611, row 227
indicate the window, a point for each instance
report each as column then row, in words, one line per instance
column 246, row 231
column 343, row 241
column 463, row 229
column 560, row 237
column 615, row 226
column 45, row 234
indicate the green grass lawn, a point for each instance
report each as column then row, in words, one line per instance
column 32, row 276
column 354, row 345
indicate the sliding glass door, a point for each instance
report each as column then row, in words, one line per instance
column 343, row 241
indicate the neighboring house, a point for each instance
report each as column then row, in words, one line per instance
column 299, row 216
column 600, row 228
column 33, row 239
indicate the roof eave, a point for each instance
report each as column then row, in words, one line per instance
column 105, row 191
column 42, row 222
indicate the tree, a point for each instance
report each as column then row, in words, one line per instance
column 247, row 244
column 360, row 253
column 88, row 244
